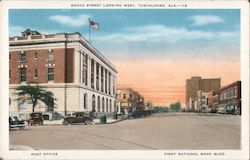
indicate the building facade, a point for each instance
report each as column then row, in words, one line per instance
column 195, row 84
column 230, row 96
column 79, row 77
column 128, row 100
column 202, row 100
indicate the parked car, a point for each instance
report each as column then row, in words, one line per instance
column 221, row 110
column 35, row 118
column 15, row 122
column 212, row 110
column 78, row 117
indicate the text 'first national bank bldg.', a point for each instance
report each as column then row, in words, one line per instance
column 78, row 76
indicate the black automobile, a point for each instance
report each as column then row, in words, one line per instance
column 15, row 122
column 78, row 118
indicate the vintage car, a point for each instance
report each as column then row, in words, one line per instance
column 221, row 110
column 35, row 118
column 15, row 122
column 77, row 118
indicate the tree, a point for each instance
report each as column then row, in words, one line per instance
column 33, row 94
column 175, row 106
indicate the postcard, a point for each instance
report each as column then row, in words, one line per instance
column 124, row 80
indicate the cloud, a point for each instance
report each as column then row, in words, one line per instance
column 73, row 21
column 161, row 33
column 201, row 20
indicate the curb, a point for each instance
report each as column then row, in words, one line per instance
column 93, row 124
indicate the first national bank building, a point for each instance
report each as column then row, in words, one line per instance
column 78, row 76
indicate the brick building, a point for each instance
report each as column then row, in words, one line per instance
column 78, row 76
column 230, row 96
column 195, row 84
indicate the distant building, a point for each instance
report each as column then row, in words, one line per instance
column 202, row 100
column 214, row 99
column 128, row 100
column 230, row 96
column 197, row 83
column 76, row 74
column 148, row 105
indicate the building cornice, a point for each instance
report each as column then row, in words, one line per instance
column 59, row 38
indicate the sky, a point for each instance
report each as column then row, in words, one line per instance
column 154, row 50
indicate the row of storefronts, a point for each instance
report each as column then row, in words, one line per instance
column 227, row 99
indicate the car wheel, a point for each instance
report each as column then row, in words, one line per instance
column 66, row 122
column 88, row 122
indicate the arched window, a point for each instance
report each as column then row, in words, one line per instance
column 110, row 104
column 98, row 104
column 85, row 101
column 50, row 102
column 103, row 110
column 93, row 103
column 107, row 105
column 114, row 105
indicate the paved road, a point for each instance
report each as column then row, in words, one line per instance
column 160, row 131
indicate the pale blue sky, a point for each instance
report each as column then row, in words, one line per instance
column 141, row 33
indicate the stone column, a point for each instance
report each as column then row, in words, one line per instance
column 104, row 72
column 114, row 84
column 89, row 72
column 100, row 77
column 95, row 74
column 107, row 82
column 81, row 68
column 111, row 84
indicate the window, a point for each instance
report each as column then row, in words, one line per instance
column 22, row 74
column 85, row 101
column 9, row 57
column 22, row 104
column 124, row 96
column 231, row 93
column 107, row 105
column 50, row 102
column 36, row 73
column 98, row 104
column 235, row 92
column 109, row 81
column 93, row 104
column 22, row 56
column 97, row 76
column 50, row 57
column 9, row 74
column 84, row 69
column 110, row 105
column 36, row 55
column 92, row 73
column 50, row 74
column 103, row 110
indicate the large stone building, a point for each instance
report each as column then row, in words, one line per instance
column 78, row 76
column 197, row 83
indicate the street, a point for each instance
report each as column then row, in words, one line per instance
column 159, row 131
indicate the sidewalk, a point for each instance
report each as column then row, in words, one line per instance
column 109, row 121
column 96, row 121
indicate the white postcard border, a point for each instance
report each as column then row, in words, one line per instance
column 122, row 154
